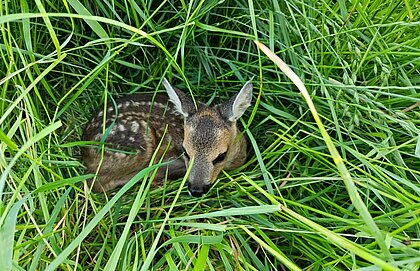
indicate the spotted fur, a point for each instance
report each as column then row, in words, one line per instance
column 131, row 128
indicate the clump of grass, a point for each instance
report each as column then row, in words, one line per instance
column 295, row 205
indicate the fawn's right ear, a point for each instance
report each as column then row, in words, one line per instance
column 233, row 109
column 183, row 104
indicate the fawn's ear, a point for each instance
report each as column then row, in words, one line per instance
column 183, row 104
column 234, row 108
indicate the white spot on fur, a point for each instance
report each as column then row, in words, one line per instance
column 121, row 127
column 135, row 126
column 120, row 155
column 131, row 139
column 143, row 103
column 136, row 103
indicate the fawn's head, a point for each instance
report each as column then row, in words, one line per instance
column 211, row 135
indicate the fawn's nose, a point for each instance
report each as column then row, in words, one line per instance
column 198, row 190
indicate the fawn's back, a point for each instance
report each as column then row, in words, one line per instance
column 135, row 125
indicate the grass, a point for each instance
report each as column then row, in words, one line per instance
column 333, row 176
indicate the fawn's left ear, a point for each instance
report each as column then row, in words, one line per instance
column 235, row 107
column 183, row 103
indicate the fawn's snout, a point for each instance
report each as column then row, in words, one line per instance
column 198, row 190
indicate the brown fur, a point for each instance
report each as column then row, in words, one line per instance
column 136, row 126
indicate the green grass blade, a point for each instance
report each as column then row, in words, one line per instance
column 289, row 264
column 96, row 27
column 7, row 235
column 338, row 240
column 200, row 263
column 351, row 188
column 43, row 133
column 49, row 27
column 94, row 222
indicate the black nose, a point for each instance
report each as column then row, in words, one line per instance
column 198, row 190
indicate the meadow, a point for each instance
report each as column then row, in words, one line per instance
column 332, row 180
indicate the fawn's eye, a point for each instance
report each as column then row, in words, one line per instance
column 185, row 153
column 220, row 158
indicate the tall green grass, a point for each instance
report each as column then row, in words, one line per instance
column 334, row 190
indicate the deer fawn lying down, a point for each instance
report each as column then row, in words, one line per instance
column 135, row 126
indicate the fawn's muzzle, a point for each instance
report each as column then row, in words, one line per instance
column 198, row 190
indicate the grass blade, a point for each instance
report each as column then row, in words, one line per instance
column 345, row 175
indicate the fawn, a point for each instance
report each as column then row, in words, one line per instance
column 135, row 126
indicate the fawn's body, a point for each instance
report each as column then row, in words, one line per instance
column 136, row 125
